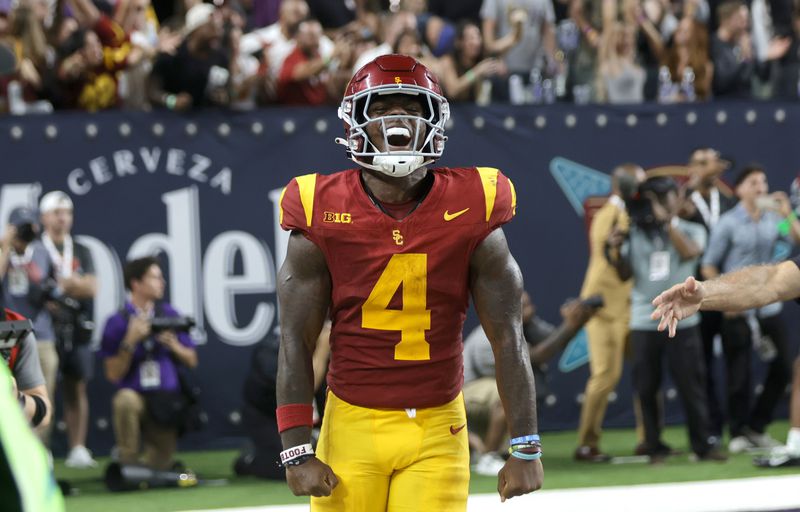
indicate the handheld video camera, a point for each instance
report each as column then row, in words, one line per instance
column 51, row 292
column 637, row 203
column 171, row 323
column 72, row 319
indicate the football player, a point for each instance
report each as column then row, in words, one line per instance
column 391, row 251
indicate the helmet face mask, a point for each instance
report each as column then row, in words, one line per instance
column 392, row 75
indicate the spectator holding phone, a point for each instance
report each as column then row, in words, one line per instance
column 748, row 235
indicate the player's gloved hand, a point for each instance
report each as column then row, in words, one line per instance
column 312, row 478
column 519, row 477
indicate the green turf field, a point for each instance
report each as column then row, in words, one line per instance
column 560, row 472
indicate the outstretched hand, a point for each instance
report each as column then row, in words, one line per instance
column 677, row 303
column 313, row 478
column 519, row 477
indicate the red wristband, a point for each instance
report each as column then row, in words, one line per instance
column 294, row 415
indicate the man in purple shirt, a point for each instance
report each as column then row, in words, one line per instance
column 746, row 288
column 144, row 367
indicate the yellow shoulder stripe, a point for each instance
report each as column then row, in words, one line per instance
column 307, row 185
column 513, row 198
column 489, row 182
column 280, row 206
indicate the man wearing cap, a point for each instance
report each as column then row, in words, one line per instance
column 197, row 74
column 24, row 267
column 75, row 287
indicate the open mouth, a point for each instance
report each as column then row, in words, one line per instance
column 398, row 137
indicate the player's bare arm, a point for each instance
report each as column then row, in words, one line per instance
column 752, row 287
column 747, row 288
column 496, row 284
column 304, row 290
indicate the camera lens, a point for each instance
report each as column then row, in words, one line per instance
column 26, row 233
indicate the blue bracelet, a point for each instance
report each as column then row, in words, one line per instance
column 527, row 456
column 524, row 439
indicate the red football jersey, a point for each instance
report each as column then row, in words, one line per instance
column 400, row 287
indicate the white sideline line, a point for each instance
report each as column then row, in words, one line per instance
column 746, row 494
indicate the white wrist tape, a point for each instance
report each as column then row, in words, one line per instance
column 296, row 452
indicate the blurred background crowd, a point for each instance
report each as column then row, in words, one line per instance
column 240, row 54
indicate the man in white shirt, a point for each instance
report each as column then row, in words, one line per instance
column 75, row 282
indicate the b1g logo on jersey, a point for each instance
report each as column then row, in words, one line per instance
column 337, row 218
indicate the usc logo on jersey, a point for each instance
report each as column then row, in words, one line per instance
column 337, row 218
column 397, row 237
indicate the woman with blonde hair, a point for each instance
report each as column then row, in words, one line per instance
column 620, row 78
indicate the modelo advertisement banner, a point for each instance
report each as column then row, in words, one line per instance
column 202, row 191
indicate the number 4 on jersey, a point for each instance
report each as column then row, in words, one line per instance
column 411, row 271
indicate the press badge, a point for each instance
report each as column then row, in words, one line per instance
column 150, row 375
column 18, row 283
column 659, row 266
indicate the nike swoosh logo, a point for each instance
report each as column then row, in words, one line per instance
column 450, row 216
column 456, row 430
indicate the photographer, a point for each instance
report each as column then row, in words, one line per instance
column 660, row 250
column 18, row 350
column 24, row 264
column 144, row 366
column 69, row 294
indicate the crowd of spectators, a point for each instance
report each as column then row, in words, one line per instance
column 183, row 54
